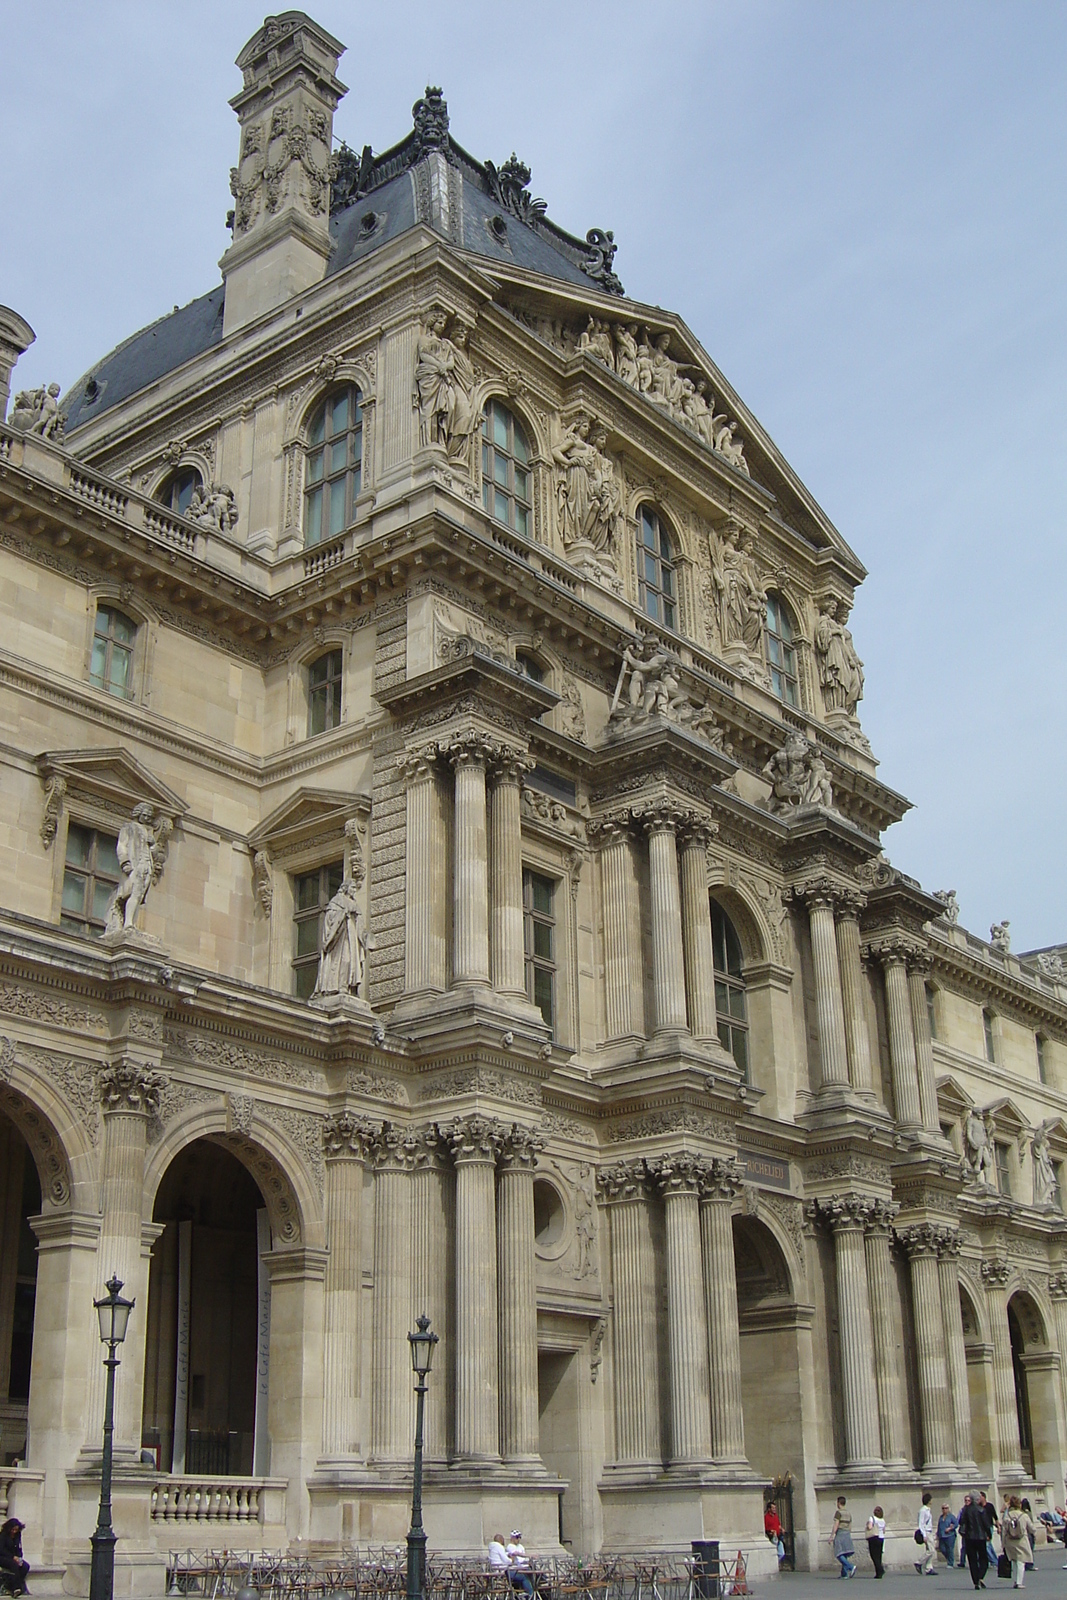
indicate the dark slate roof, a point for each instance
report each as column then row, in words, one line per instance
column 375, row 199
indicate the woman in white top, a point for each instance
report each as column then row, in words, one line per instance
column 876, row 1539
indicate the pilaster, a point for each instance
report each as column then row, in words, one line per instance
column 886, row 1359
column 517, row 1288
column 679, row 1178
column 476, row 1142
column 847, row 1217
column 922, row 1243
column 720, row 1183
column 394, row 1154
column 624, row 1187
column 347, row 1143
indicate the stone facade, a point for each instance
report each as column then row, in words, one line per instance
column 426, row 609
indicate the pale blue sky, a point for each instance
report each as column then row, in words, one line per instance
column 859, row 209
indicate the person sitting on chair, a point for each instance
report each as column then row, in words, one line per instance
column 14, row 1568
column 518, row 1563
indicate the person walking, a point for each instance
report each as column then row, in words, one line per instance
column 841, row 1539
column 1018, row 1533
column 974, row 1535
column 990, row 1524
column 926, row 1528
column 947, row 1524
column 876, row 1539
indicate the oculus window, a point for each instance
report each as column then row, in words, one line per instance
column 111, row 660
column 506, row 489
column 782, row 652
column 731, row 1010
column 334, row 466
column 656, row 582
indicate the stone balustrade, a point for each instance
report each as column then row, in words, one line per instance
column 196, row 1498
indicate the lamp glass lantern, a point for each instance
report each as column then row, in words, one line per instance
column 113, row 1312
column 422, row 1347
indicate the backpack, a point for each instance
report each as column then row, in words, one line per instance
column 1013, row 1526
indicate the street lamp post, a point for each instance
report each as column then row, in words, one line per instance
column 422, row 1347
column 114, row 1314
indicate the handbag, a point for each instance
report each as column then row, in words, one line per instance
column 1003, row 1566
column 919, row 1537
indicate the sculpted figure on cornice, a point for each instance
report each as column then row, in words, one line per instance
column 1000, row 938
column 648, row 685
column 1050, row 965
column 342, row 959
column 37, row 411
column 840, row 668
column 798, row 778
column 213, row 506
column 444, row 386
column 951, row 909
column 141, row 850
column 1045, row 1186
column 978, row 1148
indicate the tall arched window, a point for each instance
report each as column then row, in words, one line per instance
column 334, row 467
column 655, row 569
column 731, row 1011
column 506, row 490
column 111, row 661
column 782, row 652
column 176, row 492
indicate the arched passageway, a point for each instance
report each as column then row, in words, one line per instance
column 1035, row 1369
column 20, row 1199
column 207, row 1317
column 771, row 1398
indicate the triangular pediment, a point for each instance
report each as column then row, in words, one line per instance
column 1007, row 1117
column 309, row 815
column 952, row 1098
column 112, row 778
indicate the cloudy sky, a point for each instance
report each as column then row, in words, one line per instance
column 859, row 209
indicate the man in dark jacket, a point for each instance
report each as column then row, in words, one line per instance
column 974, row 1531
column 14, row 1567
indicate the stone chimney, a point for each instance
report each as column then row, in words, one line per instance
column 281, row 187
column 16, row 335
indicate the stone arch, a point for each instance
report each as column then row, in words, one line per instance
column 190, row 460
column 305, row 401
column 770, row 1325
column 972, row 1314
column 780, row 1223
column 495, row 389
column 748, row 919
column 761, row 1265
column 290, row 1191
column 60, row 1135
column 1036, row 1377
column 1033, row 1323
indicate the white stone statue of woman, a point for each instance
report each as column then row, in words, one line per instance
column 1046, row 1188
column 840, row 668
column 344, row 945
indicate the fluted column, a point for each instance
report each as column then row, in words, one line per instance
column 621, row 927
column 719, row 1185
column 857, row 1036
column 517, row 1288
column 921, row 1243
column 475, row 1143
column 470, row 922
column 687, row 1336
column 829, row 1006
column 129, row 1095
column 432, row 1271
column 886, row 1356
column 425, row 897
column 1057, row 1288
column 391, row 1395
column 505, row 841
column 948, row 1253
column 624, row 1186
column 346, row 1140
column 894, row 951
column 668, row 961
column 918, row 967
column 995, row 1275
column 848, row 1216
column 696, row 931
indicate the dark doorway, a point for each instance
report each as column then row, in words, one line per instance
column 20, row 1199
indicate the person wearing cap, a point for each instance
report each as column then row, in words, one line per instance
column 14, row 1568
column 519, row 1563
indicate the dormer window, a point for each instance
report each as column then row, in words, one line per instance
column 506, row 484
column 656, row 583
column 333, row 471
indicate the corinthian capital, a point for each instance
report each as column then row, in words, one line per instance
column 345, row 1135
column 679, row 1174
column 623, row 1180
column 921, row 1239
column 995, row 1274
column 609, row 828
column 125, row 1087
column 821, row 889
column 721, row 1178
column 475, row 1138
column 1057, row 1286
column 521, row 1148
column 416, row 766
column 844, row 1212
column 661, row 815
column 894, row 947
column 393, row 1149
column 883, row 1215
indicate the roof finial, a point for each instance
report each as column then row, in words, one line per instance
column 430, row 115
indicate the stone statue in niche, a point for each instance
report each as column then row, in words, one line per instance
column 950, row 906
column 742, row 601
column 342, row 960
column 37, row 411
column 1000, row 938
column 1046, row 1189
column 141, row 850
column 588, row 496
column 840, row 668
column 978, row 1148
column 798, row 777
column 571, row 710
column 585, row 1223
column 213, row 507
column 444, row 386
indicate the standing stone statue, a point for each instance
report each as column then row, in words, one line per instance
column 434, row 361
column 742, row 601
column 1046, row 1189
column 344, row 944
column 978, row 1148
column 840, row 668
column 1000, row 938
column 577, row 484
column 463, row 421
column 141, row 850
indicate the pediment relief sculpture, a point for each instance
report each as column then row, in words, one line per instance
column 799, row 779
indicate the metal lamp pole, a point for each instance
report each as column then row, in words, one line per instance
column 114, row 1314
column 422, row 1348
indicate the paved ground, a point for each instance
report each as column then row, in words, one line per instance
column 1050, row 1580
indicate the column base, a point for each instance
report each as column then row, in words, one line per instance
column 654, row 1509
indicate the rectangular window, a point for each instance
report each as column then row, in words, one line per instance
column 1041, row 1068
column 539, row 931
column 324, row 693
column 91, row 873
column 990, row 1043
column 111, row 662
column 1058, row 1196
column 1003, row 1155
column 312, row 893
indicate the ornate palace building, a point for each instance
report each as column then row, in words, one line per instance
column 442, row 872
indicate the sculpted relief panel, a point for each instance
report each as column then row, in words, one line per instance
column 567, row 1226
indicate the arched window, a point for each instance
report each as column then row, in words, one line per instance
column 731, row 1011
column 506, row 492
column 324, row 692
column 782, row 652
column 655, row 569
column 176, row 492
column 111, row 661
column 334, row 466
column 529, row 666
